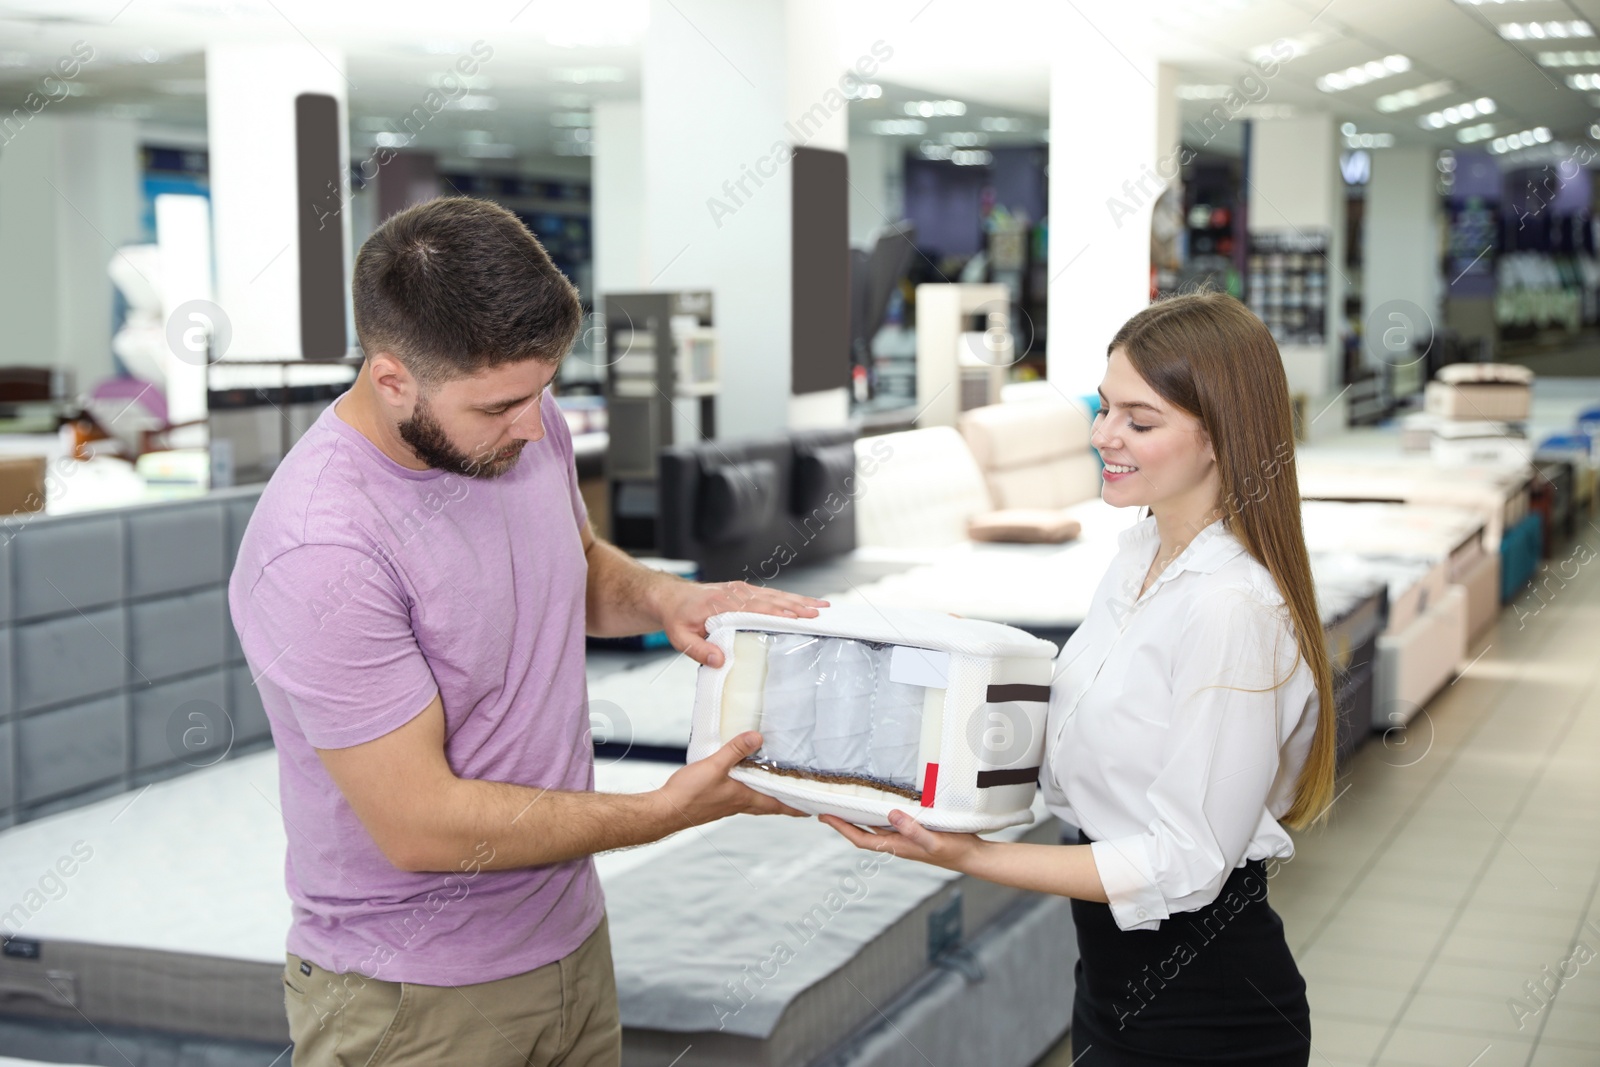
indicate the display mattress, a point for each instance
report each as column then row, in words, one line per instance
column 174, row 918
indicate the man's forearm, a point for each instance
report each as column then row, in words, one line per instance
column 528, row 827
column 623, row 595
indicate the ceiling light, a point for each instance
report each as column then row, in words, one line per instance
column 472, row 102
column 453, row 82
column 999, row 125
column 1454, row 116
column 929, row 109
column 1473, row 134
column 1370, row 140
column 1584, row 81
column 971, row 158
column 965, row 139
column 898, row 127
column 1540, row 31
column 1408, row 98
column 1298, row 46
column 1524, row 139
column 864, row 91
column 1569, row 59
column 1363, row 73
column 1348, row 129
column 571, row 118
column 587, row 75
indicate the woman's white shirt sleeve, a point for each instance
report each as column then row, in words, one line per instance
column 1180, row 750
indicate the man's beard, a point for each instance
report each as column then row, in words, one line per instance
column 429, row 441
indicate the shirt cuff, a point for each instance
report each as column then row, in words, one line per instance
column 1130, row 884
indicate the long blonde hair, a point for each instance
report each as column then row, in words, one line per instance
column 1208, row 355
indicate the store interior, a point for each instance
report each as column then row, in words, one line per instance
column 818, row 245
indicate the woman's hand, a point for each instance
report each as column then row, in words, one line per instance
column 909, row 839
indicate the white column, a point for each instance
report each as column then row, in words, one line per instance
column 1295, row 185
column 729, row 89
column 1400, row 239
column 1103, row 181
column 255, row 204
column 69, row 198
column 618, row 193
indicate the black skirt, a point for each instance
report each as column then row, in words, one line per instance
column 1217, row 985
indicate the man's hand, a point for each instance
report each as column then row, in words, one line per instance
column 685, row 607
column 910, row 840
column 702, row 792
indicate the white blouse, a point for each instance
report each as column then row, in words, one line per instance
column 1154, row 748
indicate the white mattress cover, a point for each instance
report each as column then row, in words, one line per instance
column 1425, row 531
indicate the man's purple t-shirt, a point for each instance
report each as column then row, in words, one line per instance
column 364, row 588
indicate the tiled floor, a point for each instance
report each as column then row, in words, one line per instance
column 1463, row 859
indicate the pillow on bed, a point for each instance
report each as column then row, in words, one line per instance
column 1467, row 373
column 862, row 711
column 1028, row 525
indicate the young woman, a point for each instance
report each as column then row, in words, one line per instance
column 1191, row 715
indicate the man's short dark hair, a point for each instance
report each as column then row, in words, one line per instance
column 455, row 285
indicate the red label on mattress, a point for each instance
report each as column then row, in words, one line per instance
column 930, row 782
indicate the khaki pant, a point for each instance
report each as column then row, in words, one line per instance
column 563, row 1014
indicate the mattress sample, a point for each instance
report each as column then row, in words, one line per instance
column 865, row 709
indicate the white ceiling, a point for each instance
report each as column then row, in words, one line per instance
column 995, row 53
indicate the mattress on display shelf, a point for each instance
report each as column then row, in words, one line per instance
column 1455, row 534
column 1416, row 662
column 1044, row 589
column 176, row 920
column 1499, row 494
column 1413, row 584
column 812, row 938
